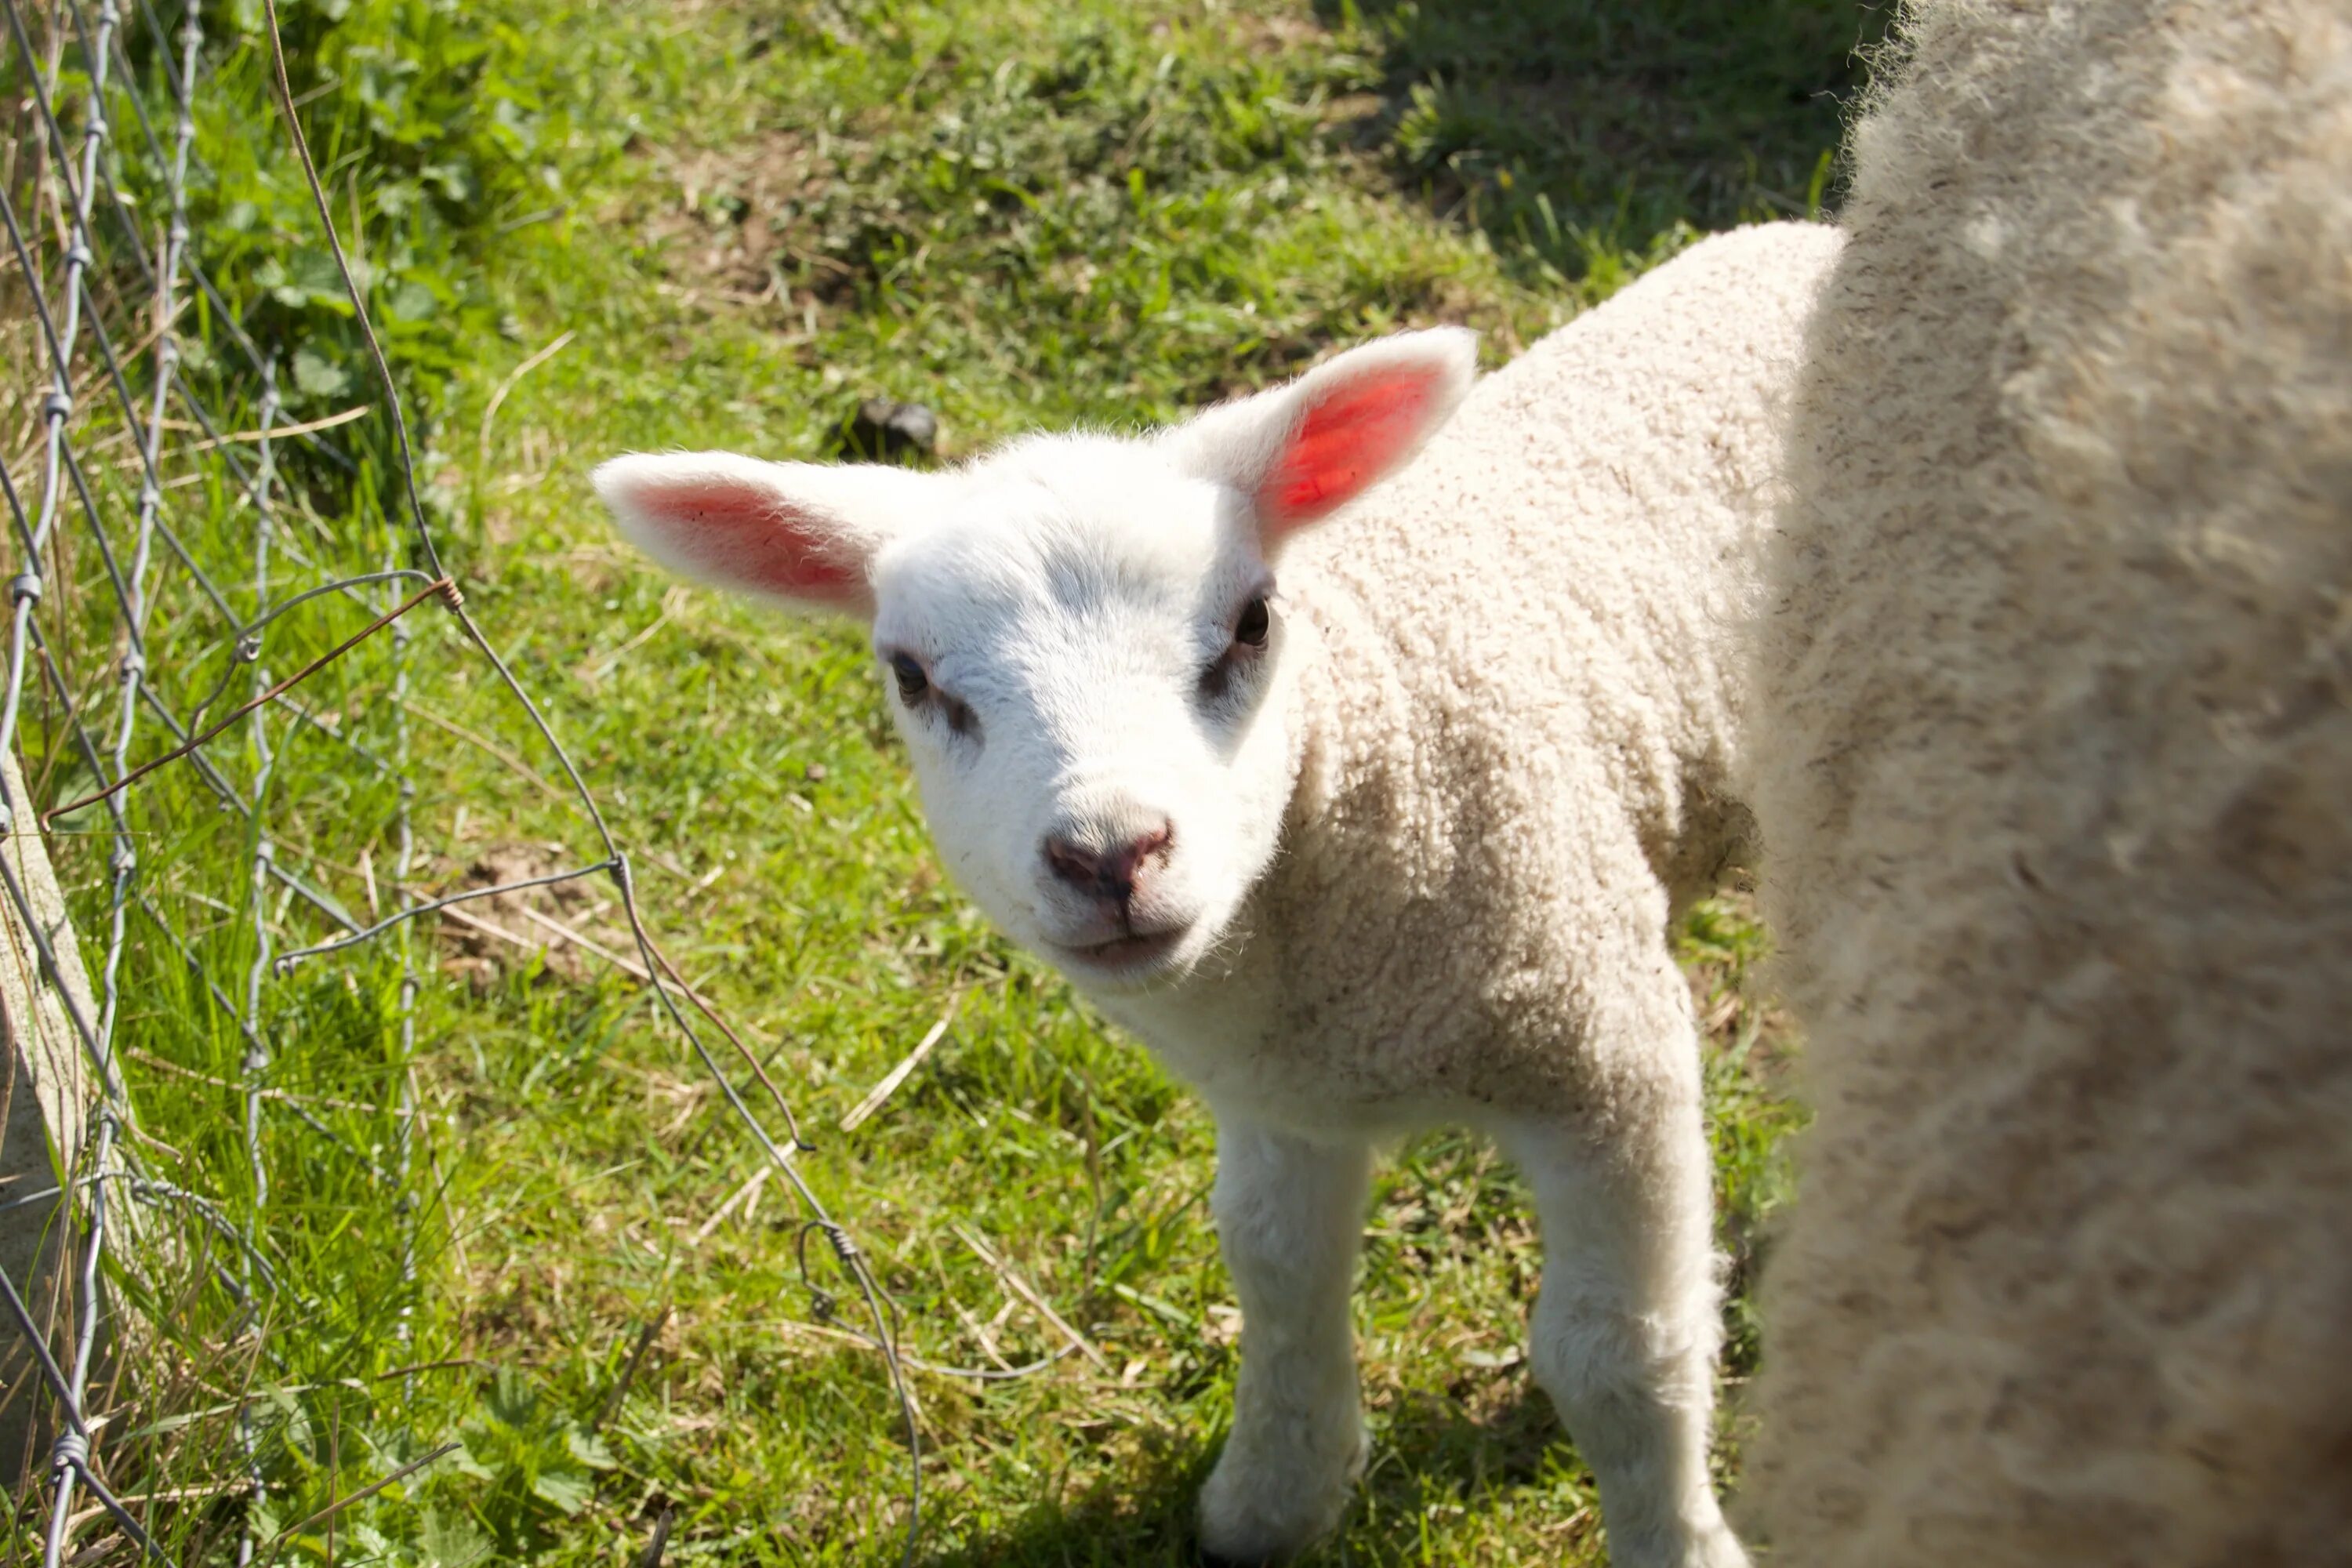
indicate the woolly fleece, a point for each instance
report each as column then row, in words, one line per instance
column 1516, row 721
column 2055, row 765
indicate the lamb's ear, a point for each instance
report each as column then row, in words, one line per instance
column 801, row 534
column 1302, row 451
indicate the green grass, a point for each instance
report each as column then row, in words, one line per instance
column 745, row 218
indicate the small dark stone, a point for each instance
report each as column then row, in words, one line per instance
column 881, row 431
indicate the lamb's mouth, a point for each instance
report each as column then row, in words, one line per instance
column 1128, row 957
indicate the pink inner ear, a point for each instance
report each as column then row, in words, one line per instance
column 746, row 536
column 1347, row 440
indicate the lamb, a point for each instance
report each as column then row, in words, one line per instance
column 2053, row 760
column 1393, row 843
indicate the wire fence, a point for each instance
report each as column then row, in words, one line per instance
column 180, row 548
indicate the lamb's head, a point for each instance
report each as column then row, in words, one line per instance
column 1082, row 636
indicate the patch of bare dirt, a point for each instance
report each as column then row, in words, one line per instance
column 725, row 228
column 1272, row 32
column 578, row 925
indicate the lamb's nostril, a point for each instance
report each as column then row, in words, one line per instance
column 1073, row 863
column 1110, row 875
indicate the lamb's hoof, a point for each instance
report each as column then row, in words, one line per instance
column 1721, row 1549
column 1236, row 1540
column 1709, row 1545
column 1238, row 1543
column 1255, row 1513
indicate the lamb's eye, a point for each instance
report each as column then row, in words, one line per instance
column 1251, row 629
column 912, row 681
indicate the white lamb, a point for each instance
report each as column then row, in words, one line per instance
column 1389, row 839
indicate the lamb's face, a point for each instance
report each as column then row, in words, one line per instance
column 1080, row 654
column 1081, row 634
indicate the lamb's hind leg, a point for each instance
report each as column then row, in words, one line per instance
column 1290, row 1217
column 1627, row 1323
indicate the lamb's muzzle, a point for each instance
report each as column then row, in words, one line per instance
column 1108, row 875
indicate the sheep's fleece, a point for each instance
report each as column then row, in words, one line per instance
column 2054, row 765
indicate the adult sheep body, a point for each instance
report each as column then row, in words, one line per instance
column 2055, row 763
column 1365, row 826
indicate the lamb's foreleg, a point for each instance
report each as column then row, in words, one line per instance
column 1290, row 1216
column 1627, row 1323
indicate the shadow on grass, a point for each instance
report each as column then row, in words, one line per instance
column 1140, row 1514
column 1576, row 131
column 1434, row 1452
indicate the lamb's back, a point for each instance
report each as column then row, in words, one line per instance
column 1551, row 587
column 1517, row 729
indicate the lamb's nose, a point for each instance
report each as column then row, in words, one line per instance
column 1108, row 874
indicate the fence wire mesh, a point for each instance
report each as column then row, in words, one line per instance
column 213, row 644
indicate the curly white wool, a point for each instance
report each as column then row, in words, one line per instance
column 2054, row 757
